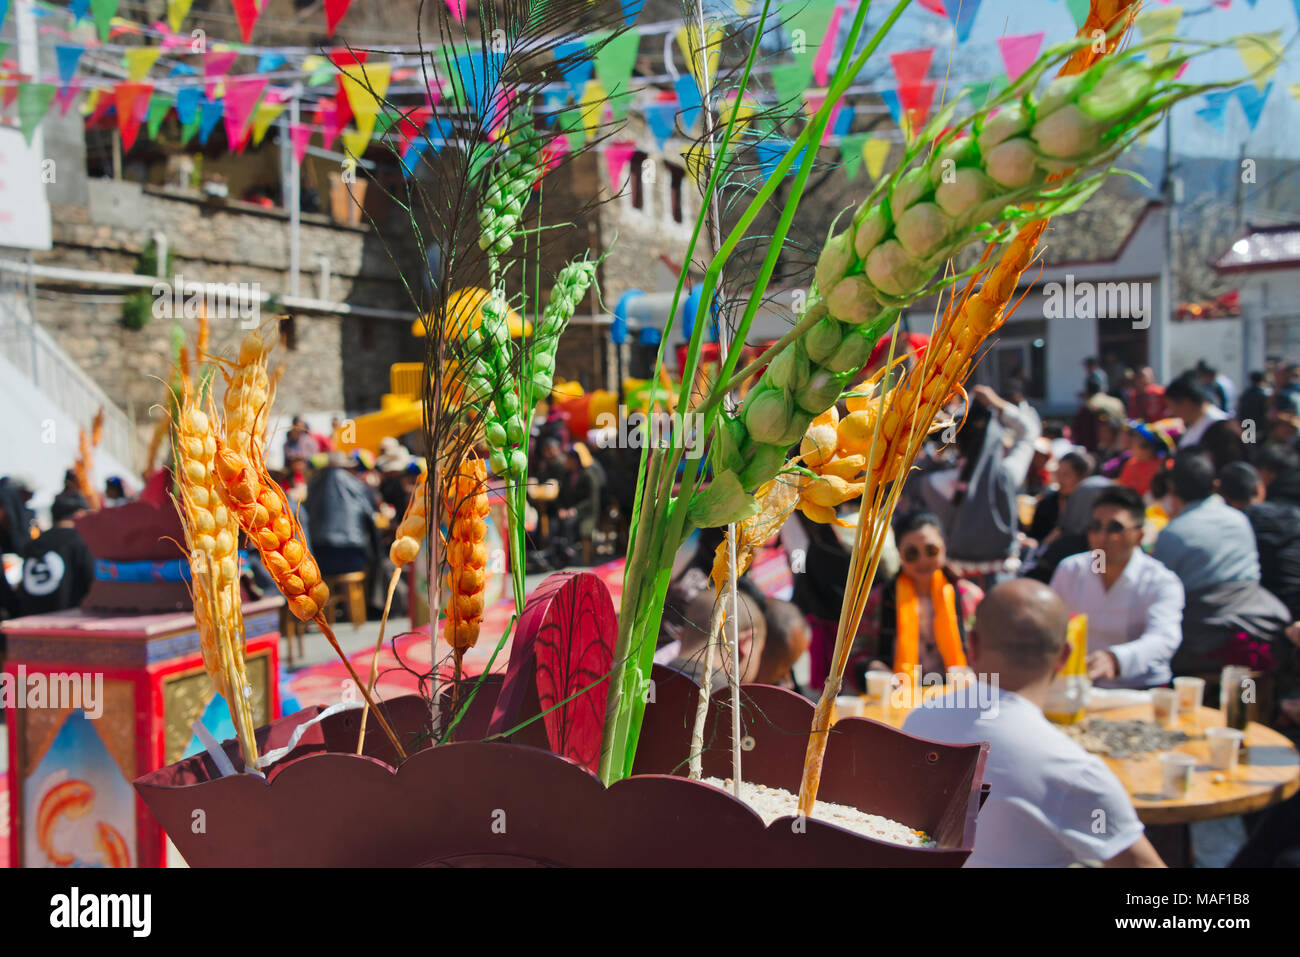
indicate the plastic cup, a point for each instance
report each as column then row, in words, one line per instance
column 1191, row 692
column 878, row 686
column 1225, row 747
column 1164, row 705
column 849, row 706
column 1176, row 773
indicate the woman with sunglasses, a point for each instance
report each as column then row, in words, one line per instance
column 919, row 618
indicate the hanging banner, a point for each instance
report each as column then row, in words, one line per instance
column 188, row 100
column 267, row 112
column 177, row 11
column 215, row 66
column 1019, row 53
column 299, row 137
column 1261, row 53
column 617, row 156
column 592, row 107
column 615, row 62
column 911, row 66
column 575, row 66
column 693, row 51
column 1158, row 23
column 68, row 56
column 242, row 94
column 132, row 103
column 139, row 61
column 365, row 89
column 826, row 49
column 209, row 114
column 659, row 117
column 33, row 100
column 805, row 27
column 1215, row 110
column 1252, row 102
column 851, row 153
column 335, row 11
column 159, row 107
column 103, row 11
column 789, row 81
column 874, row 152
column 688, row 94
column 246, row 14
column 961, row 13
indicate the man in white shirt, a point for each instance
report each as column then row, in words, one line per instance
column 1187, row 400
column 1051, row 803
column 1134, row 603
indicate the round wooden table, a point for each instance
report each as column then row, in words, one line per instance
column 1268, row 772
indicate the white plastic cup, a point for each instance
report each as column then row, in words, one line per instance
column 849, row 706
column 1225, row 747
column 879, row 684
column 1164, row 706
column 1176, row 773
column 1191, row 692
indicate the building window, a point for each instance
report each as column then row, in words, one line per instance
column 288, row 334
column 639, row 180
column 677, row 176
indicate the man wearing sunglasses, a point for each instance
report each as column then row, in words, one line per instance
column 1134, row 603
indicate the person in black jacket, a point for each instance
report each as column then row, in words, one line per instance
column 57, row 567
column 1277, row 531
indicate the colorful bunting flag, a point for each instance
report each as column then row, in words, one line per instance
column 327, row 118
column 688, row 42
column 188, row 100
column 1158, row 23
column 934, row 6
column 592, row 107
column 209, row 114
column 617, row 156
column 577, row 67
column 67, row 94
column 103, row 11
column 688, row 95
column 159, row 107
column 457, row 8
column 874, row 152
column 1260, row 53
column 615, row 61
column 355, row 143
column 299, row 137
column 33, row 100
column 911, row 66
column 1019, row 53
column 805, row 27
column 789, row 80
column 189, row 129
column 1214, row 111
column 335, row 11
column 365, row 89
column 659, row 117
column 132, row 103
column 215, row 66
column 631, row 10
column 1252, row 102
column 78, row 9
column 961, row 13
column 267, row 112
column 1079, row 11
column 68, row 56
column 826, row 49
column 851, row 153
column 139, row 61
column 270, row 62
column 177, row 11
column 474, row 78
column 770, row 152
column 242, row 94
column 246, row 14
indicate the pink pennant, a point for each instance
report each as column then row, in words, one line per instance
column 822, row 62
column 171, row 41
column 215, row 66
column 66, row 96
column 1223, row 4
column 1019, row 52
column 552, row 154
column 327, row 118
column 935, row 6
column 911, row 66
column 433, row 92
column 457, row 8
column 299, row 136
column 242, row 95
column 617, row 156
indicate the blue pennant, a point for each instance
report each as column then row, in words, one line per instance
column 843, row 121
column 689, row 95
column 962, row 14
column 660, row 116
column 1214, row 111
column 895, row 108
column 188, row 99
column 580, row 69
column 1252, row 101
column 632, row 10
column 770, row 152
column 209, row 113
column 68, row 57
column 78, row 9
column 269, row 62
column 477, row 78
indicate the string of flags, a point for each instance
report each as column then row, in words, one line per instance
column 167, row 72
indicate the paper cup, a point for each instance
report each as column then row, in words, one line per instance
column 849, row 706
column 1176, row 773
column 1164, row 706
column 1191, row 692
column 1225, row 747
column 878, row 686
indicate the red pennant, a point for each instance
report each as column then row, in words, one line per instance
column 917, row 99
column 935, row 6
column 412, row 125
column 342, row 58
column 246, row 14
column 242, row 95
column 335, row 10
column 911, row 66
column 132, row 102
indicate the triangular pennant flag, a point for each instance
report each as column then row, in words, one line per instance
column 68, row 56
column 139, row 61
column 1260, row 52
column 770, row 151
column 1252, row 102
column 961, row 13
column 805, row 25
column 851, row 153
column 159, row 107
column 317, row 68
column 789, row 80
column 103, row 11
column 874, row 153
column 617, row 156
column 78, row 9
column 188, row 99
column 67, row 94
column 474, row 78
column 980, row 92
column 457, row 8
column 269, row 62
column 299, row 136
column 177, row 11
column 132, row 102
column 843, row 122
column 209, row 114
column 365, row 88
column 246, row 14
column 616, row 60
column 410, row 123
column 688, row 95
column 935, row 6
column 33, row 100
column 592, row 107
column 410, row 157
column 355, row 143
column 1079, row 11
column 1214, row 111
column 1019, row 53
column 215, row 66
column 189, row 129
column 911, row 66
column 242, row 94
column 693, row 50
column 1158, row 23
column 335, row 11
column 267, row 112
column 1294, row 90
column 826, row 49
column 659, row 117
column 575, row 65
column 631, row 10
column 327, row 118
column 343, row 58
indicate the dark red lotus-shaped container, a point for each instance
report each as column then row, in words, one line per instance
column 516, row 803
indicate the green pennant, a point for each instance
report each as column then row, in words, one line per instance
column 384, row 121
column 158, row 108
column 620, row 103
column 189, row 129
column 322, row 74
column 1079, row 11
column 851, row 153
column 4, row 49
column 104, row 11
column 790, row 80
column 806, row 26
column 615, row 61
column 980, row 92
column 569, row 121
column 33, row 100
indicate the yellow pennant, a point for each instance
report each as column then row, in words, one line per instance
column 90, row 102
column 1260, row 53
column 357, row 87
column 1294, row 90
column 874, row 153
column 744, row 113
column 355, row 143
column 177, row 11
column 592, row 106
column 688, row 41
column 1158, row 23
column 743, row 7
column 696, row 159
column 139, row 61
column 311, row 63
column 265, row 114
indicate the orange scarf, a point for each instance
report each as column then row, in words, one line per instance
column 947, row 637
